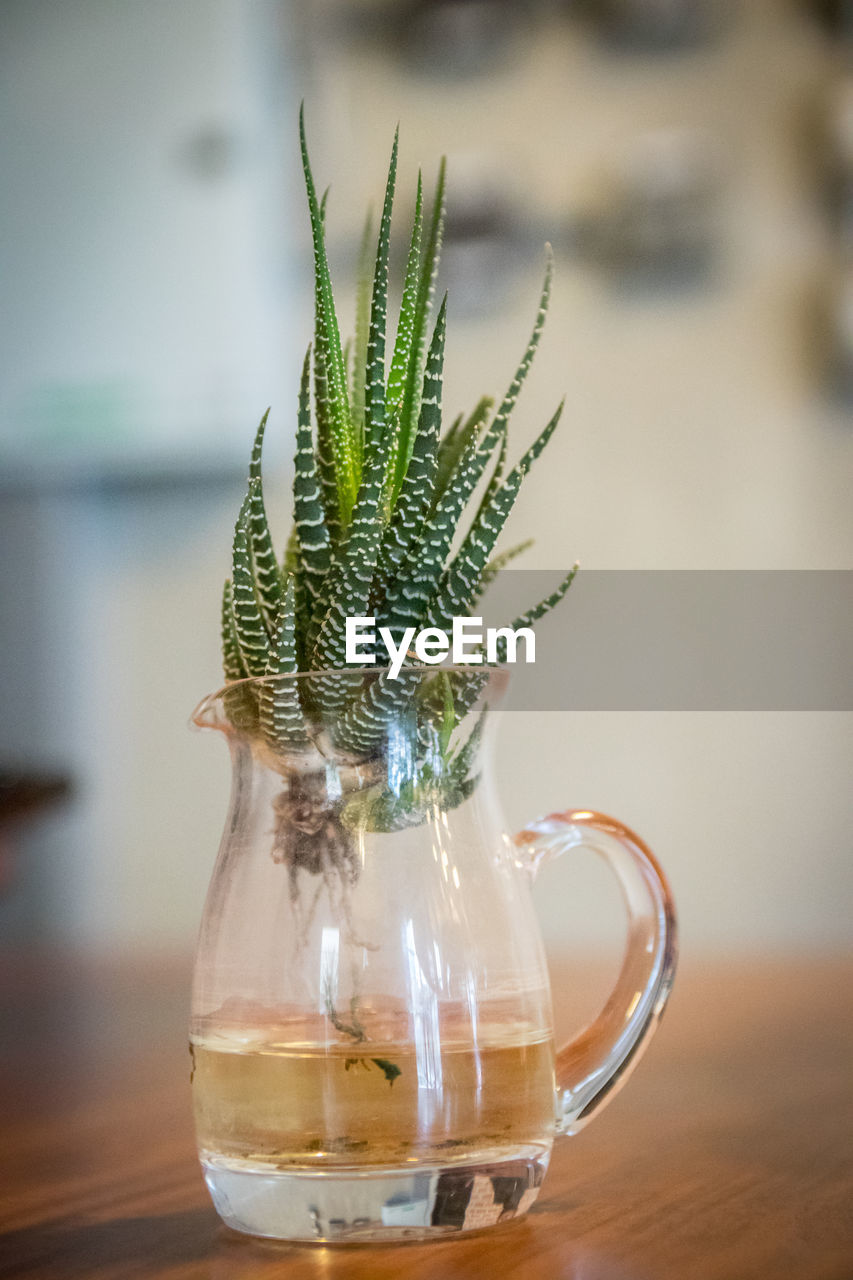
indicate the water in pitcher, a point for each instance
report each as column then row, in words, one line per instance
column 282, row 1104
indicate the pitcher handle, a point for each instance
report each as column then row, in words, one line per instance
column 594, row 1066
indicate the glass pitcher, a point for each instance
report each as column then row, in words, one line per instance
column 371, row 1031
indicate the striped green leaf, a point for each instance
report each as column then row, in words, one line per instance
column 403, row 345
column 374, row 390
column 290, row 559
column 500, row 561
column 232, row 660
column 314, row 544
column 509, row 401
column 410, row 413
column 381, row 701
column 350, row 594
column 463, row 687
column 455, row 442
column 249, row 625
column 466, row 754
column 461, row 583
column 416, row 493
column 334, row 425
column 450, row 434
column 364, row 283
column 324, row 454
column 538, row 611
column 351, row 576
column 239, row 701
column 265, row 564
column 279, row 710
column 418, row 578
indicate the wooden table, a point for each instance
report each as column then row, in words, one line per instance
column 728, row 1156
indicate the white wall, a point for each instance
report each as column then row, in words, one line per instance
column 141, row 261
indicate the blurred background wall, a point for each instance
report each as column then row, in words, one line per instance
column 692, row 164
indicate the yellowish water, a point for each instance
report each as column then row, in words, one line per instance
column 371, row 1104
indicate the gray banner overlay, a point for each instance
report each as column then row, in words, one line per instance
column 722, row 640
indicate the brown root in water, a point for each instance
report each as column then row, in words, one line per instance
column 308, row 833
column 310, row 837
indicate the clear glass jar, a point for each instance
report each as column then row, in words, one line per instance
column 373, row 1051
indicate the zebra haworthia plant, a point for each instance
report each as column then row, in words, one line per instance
column 379, row 495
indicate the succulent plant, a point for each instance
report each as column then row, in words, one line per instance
column 379, row 496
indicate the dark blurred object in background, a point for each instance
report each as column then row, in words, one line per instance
column 835, row 15
column 449, row 39
column 655, row 225
column 838, row 159
column 461, row 37
column 23, row 796
column 484, row 237
column 655, row 26
column 445, row 39
column 836, row 337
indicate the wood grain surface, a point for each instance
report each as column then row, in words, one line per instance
column 729, row 1155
